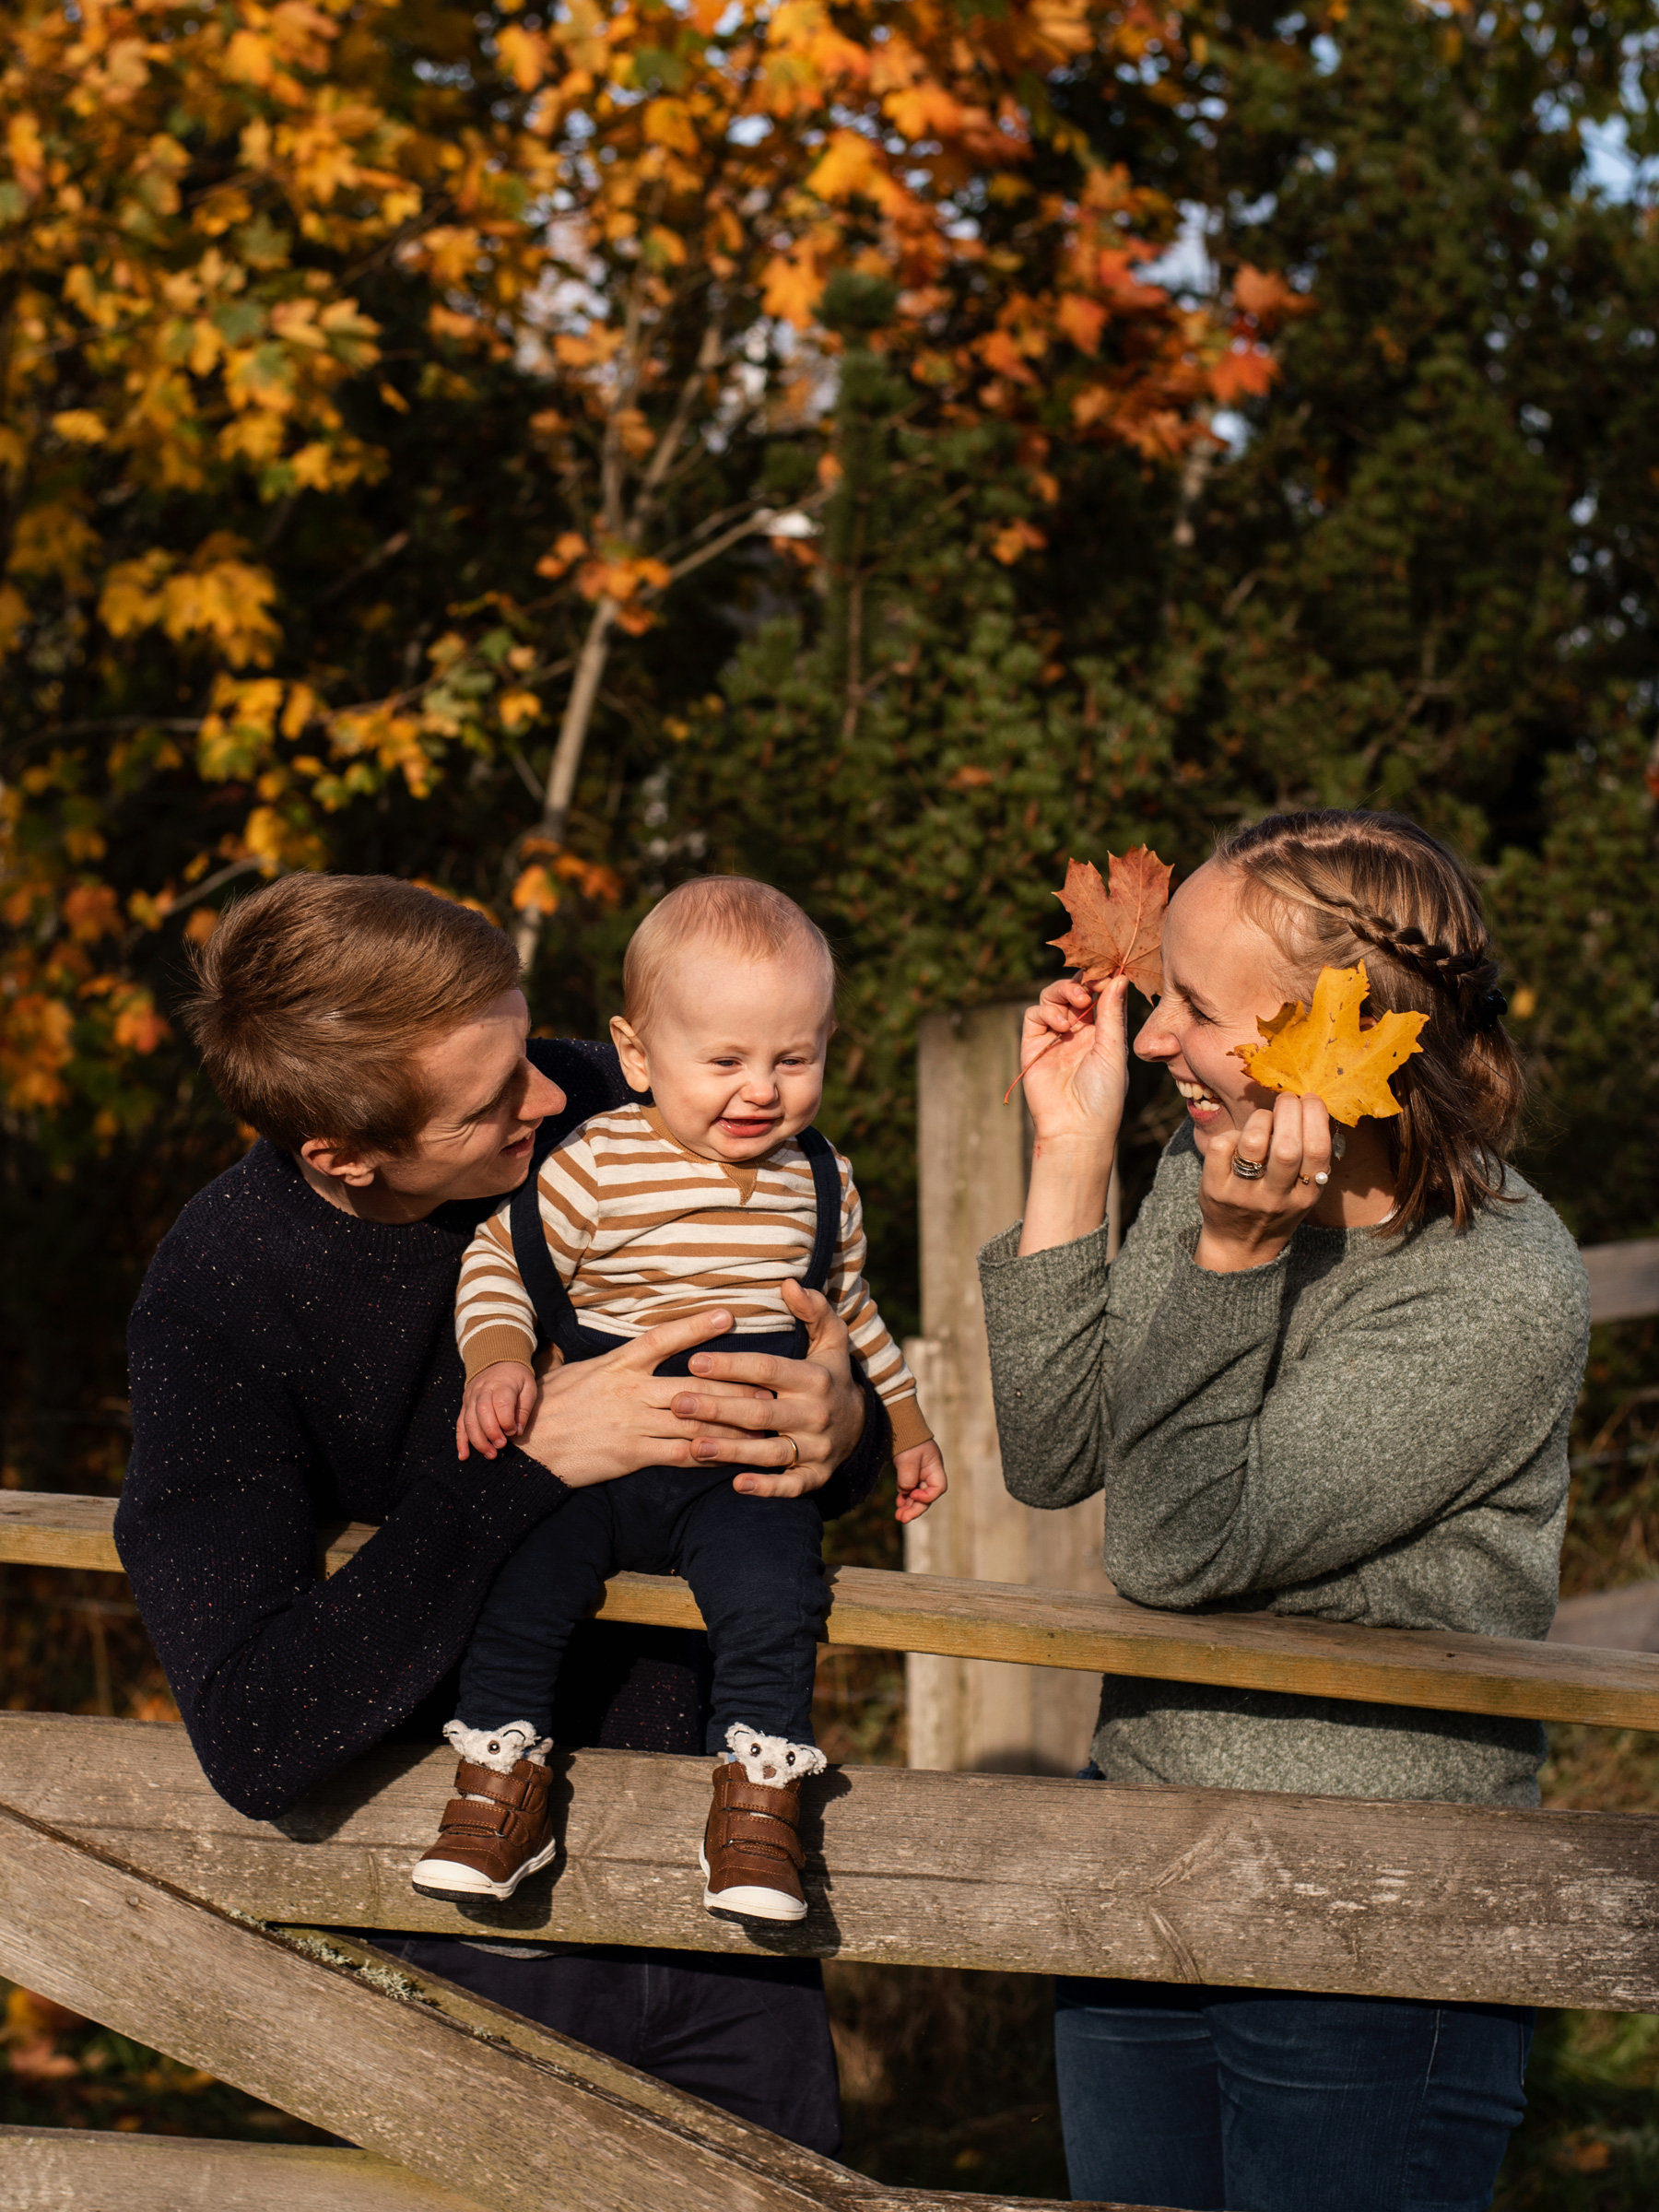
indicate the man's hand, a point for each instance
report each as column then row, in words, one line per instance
column 812, row 1405
column 599, row 1419
column 922, row 1482
column 499, row 1400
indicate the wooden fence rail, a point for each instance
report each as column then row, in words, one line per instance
column 1067, row 1629
column 1023, row 1873
column 483, row 2107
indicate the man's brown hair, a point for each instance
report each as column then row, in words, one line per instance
column 313, row 995
column 1333, row 887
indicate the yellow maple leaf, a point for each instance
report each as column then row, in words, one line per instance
column 1323, row 1053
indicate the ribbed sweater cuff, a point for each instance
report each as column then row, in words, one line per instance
column 1240, row 1304
column 500, row 1341
column 1079, row 1265
column 513, row 1491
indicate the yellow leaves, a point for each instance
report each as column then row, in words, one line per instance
column 451, row 252
column 91, row 911
column 568, row 548
column 35, row 1043
column 25, row 153
column 1015, row 540
column 517, row 709
column 1082, row 321
column 1267, row 299
column 847, row 168
column 536, row 889
column 249, row 59
column 54, row 539
column 791, row 287
column 536, row 893
column 220, row 598
column 14, row 614
column 1323, row 1052
column 621, row 578
column 668, row 123
column 525, row 55
column 138, row 1027
column 636, row 433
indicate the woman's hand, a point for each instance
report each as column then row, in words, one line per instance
column 1248, row 1222
column 803, row 1417
column 1074, row 1050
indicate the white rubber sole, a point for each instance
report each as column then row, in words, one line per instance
column 750, row 1902
column 449, row 1880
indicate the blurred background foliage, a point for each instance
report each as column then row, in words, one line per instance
column 1115, row 422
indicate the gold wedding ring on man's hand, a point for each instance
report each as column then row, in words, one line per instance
column 795, row 1449
column 1248, row 1169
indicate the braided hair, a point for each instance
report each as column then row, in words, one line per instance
column 1333, row 887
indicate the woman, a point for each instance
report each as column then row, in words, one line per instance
column 1318, row 1379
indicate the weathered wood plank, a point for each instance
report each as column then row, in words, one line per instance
column 1453, row 1902
column 89, row 2170
column 491, row 2107
column 1067, row 1629
column 1624, row 1278
column 92, row 2170
column 973, row 1155
column 480, row 2106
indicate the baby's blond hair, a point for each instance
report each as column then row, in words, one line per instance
column 750, row 920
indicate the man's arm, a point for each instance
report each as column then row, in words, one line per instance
column 280, row 1677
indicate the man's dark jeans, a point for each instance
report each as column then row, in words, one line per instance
column 754, row 1566
column 1262, row 2100
column 750, row 2035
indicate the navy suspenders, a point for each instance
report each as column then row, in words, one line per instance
column 555, row 1321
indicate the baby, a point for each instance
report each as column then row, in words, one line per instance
column 717, row 1194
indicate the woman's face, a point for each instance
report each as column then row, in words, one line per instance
column 1222, row 976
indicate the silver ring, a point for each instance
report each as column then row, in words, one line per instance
column 1321, row 1179
column 1248, row 1169
column 795, row 1449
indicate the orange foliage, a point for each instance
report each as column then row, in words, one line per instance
column 187, row 200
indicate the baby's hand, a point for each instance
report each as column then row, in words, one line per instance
column 921, row 1479
column 498, row 1401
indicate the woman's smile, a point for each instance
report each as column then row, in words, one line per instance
column 1201, row 1103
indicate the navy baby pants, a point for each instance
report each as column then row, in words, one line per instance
column 754, row 1566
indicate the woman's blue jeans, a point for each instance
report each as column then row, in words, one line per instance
column 1263, row 2101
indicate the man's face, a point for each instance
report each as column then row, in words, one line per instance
column 487, row 1101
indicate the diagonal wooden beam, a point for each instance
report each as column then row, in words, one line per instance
column 482, row 2104
column 1416, row 1900
column 1065, row 1628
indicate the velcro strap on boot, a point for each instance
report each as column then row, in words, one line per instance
column 741, row 1796
column 761, row 1831
column 468, row 1817
column 513, row 1789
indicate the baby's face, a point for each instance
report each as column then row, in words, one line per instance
column 734, row 1051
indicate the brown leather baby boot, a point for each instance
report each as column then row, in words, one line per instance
column 498, row 1827
column 751, row 1854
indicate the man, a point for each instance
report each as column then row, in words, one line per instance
column 294, row 1363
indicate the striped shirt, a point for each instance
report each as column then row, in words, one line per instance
column 643, row 1231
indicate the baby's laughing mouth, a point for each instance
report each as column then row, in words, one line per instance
column 1199, row 1099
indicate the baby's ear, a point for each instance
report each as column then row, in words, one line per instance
column 636, row 1067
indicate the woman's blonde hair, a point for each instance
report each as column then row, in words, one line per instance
column 1334, row 887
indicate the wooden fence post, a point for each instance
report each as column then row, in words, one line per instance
column 973, row 1155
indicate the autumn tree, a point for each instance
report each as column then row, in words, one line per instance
column 253, row 256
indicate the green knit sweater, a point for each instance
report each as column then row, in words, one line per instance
column 1371, row 1429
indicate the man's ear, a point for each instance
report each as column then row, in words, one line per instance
column 636, row 1067
column 343, row 1163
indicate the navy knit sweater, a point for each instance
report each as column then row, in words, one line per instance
column 293, row 1366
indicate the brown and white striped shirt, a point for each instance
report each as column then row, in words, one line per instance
column 643, row 1231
